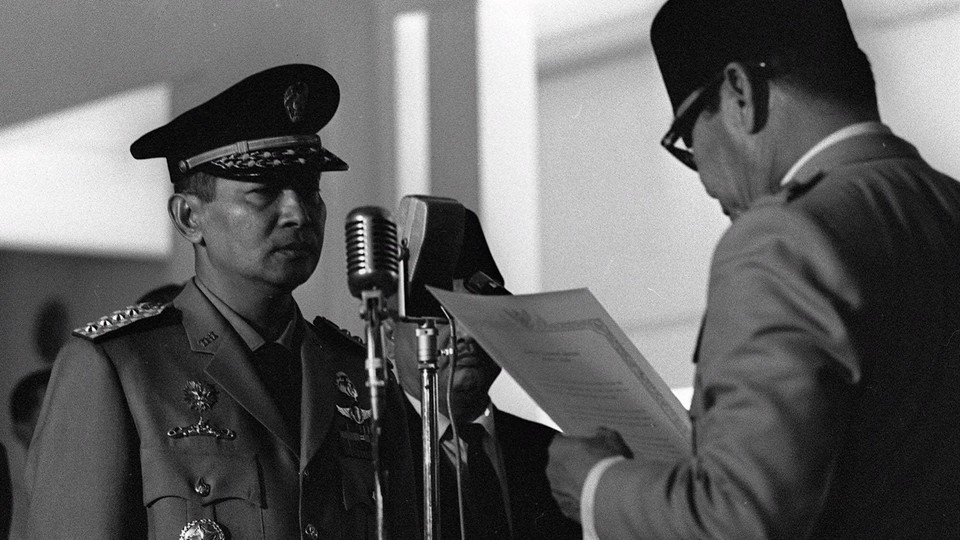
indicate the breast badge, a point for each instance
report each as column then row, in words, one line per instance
column 355, row 431
column 202, row 529
column 201, row 396
column 352, row 409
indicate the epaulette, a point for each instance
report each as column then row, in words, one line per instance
column 322, row 323
column 119, row 319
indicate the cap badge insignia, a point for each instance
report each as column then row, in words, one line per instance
column 295, row 101
column 201, row 396
column 202, row 529
column 351, row 409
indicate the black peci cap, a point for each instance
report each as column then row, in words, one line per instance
column 263, row 125
column 694, row 39
column 475, row 254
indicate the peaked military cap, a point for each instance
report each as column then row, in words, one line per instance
column 265, row 124
column 694, row 39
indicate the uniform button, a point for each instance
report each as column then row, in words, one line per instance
column 202, row 488
column 311, row 531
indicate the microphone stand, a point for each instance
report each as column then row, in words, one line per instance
column 427, row 355
column 373, row 311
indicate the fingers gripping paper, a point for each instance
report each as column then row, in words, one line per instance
column 566, row 352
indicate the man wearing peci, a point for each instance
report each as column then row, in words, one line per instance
column 216, row 416
column 503, row 457
column 828, row 364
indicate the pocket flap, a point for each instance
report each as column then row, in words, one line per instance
column 204, row 478
column 358, row 487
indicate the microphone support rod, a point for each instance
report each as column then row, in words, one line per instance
column 427, row 355
column 427, row 364
column 372, row 310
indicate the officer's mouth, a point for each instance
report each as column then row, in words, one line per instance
column 297, row 249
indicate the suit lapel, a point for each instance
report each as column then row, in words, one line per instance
column 230, row 363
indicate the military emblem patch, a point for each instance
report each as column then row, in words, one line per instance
column 201, row 396
column 353, row 410
column 355, row 431
column 202, row 529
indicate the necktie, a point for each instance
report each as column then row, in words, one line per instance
column 486, row 517
column 280, row 371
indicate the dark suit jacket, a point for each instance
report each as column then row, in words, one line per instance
column 828, row 377
column 523, row 445
column 103, row 465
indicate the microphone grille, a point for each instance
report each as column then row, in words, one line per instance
column 372, row 251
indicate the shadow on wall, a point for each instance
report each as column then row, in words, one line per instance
column 51, row 327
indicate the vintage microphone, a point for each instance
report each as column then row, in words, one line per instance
column 431, row 233
column 441, row 242
column 372, row 275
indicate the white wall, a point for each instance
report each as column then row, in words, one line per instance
column 621, row 216
column 916, row 60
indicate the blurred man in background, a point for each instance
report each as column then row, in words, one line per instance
column 26, row 398
column 503, row 457
column 25, row 401
column 828, row 364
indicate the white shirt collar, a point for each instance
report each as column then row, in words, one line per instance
column 841, row 134
column 443, row 423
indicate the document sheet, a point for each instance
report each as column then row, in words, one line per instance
column 578, row 365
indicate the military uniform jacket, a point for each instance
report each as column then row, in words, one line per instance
column 107, row 462
column 828, row 377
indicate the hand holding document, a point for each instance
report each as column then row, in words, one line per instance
column 566, row 352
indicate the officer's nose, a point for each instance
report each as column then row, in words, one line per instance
column 295, row 209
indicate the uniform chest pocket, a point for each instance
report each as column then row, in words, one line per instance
column 180, row 487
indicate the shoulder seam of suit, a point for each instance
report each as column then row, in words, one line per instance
column 120, row 318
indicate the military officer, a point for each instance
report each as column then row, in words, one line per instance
column 224, row 414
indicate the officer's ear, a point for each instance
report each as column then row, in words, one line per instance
column 185, row 211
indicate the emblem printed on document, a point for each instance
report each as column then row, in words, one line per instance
column 202, row 529
column 355, row 433
column 201, row 396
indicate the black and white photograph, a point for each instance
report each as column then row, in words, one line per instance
column 480, row 269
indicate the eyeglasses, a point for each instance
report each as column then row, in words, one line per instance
column 690, row 109
column 686, row 118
